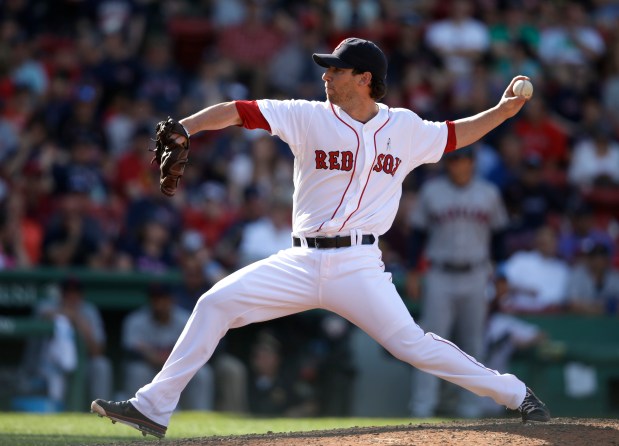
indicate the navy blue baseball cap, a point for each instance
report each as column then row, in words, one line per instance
column 71, row 283
column 355, row 53
column 466, row 152
column 159, row 289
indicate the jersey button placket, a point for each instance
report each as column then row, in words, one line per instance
column 366, row 155
column 368, row 159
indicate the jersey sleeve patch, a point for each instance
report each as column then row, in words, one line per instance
column 451, row 143
column 251, row 115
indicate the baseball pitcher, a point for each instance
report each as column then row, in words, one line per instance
column 351, row 155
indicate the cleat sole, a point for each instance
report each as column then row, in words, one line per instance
column 95, row 408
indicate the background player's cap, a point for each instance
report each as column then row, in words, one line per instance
column 159, row 289
column 355, row 53
column 466, row 152
column 71, row 283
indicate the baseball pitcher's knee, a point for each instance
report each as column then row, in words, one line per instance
column 211, row 312
column 403, row 344
column 211, row 302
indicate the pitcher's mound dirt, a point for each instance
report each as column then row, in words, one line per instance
column 487, row 432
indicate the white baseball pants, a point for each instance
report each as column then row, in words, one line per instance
column 348, row 281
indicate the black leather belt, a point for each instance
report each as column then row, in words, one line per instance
column 332, row 242
column 451, row 267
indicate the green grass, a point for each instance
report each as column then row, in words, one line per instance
column 18, row 429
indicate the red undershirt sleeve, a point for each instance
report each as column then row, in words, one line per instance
column 251, row 115
column 451, row 144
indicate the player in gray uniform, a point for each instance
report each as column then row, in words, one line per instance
column 458, row 219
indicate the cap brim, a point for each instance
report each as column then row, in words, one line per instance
column 329, row 60
column 460, row 154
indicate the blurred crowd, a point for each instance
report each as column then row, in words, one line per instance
column 84, row 82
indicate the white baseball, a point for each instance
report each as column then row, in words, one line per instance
column 523, row 87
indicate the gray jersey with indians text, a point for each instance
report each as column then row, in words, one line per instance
column 459, row 220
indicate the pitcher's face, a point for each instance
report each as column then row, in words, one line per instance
column 340, row 85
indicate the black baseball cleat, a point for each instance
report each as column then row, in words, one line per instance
column 532, row 409
column 124, row 412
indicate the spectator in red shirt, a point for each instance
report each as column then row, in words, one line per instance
column 543, row 137
column 251, row 45
column 253, row 42
column 134, row 172
column 212, row 216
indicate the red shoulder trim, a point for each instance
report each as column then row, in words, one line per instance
column 451, row 144
column 251, row 115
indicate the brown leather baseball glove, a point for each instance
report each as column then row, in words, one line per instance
column 170, row 155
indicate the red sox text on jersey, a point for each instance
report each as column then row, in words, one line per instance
column 344, row 160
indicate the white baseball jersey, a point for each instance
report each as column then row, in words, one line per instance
column 347, row 174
